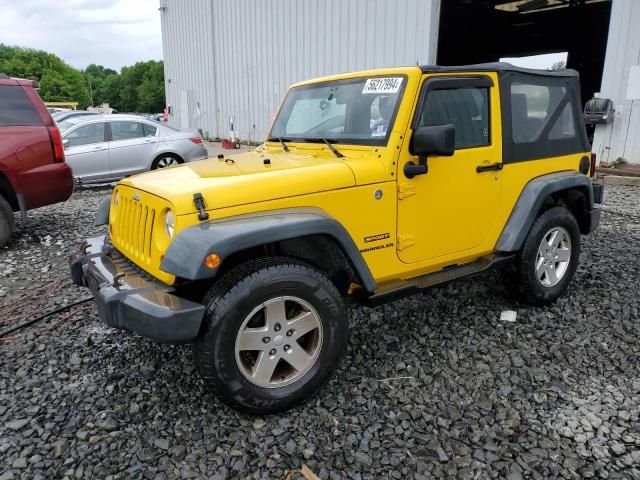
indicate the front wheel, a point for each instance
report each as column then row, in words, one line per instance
column 549, row 257
column 275, row 332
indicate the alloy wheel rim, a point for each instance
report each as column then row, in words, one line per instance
column 278, row 342
column 167, row 162
column 554, row 256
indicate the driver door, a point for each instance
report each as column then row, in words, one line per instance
column 449, row 211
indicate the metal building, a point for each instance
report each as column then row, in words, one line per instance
column 621, row 83
column 235, row 58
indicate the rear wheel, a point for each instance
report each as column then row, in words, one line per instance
column 275, row 331
column 6, row 221
column 166, row 160
column 549, row 257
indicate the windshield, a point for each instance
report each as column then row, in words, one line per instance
column 359, row 111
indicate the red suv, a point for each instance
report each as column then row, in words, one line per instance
column 33, row 172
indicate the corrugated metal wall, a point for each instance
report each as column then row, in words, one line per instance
column 620, row 139
column 237, row 57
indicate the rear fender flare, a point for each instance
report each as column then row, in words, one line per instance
column 185, row 256
column 530, row 201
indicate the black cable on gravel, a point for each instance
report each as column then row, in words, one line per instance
column 42, row 317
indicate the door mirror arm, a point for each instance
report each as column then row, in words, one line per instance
column 411, row 169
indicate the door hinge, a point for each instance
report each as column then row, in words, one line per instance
column 406, row 241
column 406, row 190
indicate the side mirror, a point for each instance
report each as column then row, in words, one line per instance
column 433, row 140
column 66, row 142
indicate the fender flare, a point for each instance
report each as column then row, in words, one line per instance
column 530, row 201
column 102, row 217
column 185, row 256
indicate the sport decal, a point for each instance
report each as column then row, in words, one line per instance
column 376, row 238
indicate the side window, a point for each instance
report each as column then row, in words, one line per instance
column 126, row 130
column 532, row 106
column 565, row 125
column 16, row 107
column 149, row 130
column 86, row 135
column 467, row 109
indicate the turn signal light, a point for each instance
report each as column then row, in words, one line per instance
column 196, row 140
column 212, row 261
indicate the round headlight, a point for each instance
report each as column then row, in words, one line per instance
column 169, row 223
column 116, row 198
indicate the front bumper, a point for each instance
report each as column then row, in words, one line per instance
column 131, row 300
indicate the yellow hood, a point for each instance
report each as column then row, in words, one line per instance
column 244, row 178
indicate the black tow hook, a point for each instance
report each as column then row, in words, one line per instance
column 198, row 201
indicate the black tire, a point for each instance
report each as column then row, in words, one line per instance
column 231, row 301
column 527, row 284
column 6, row 221
column 156, row 162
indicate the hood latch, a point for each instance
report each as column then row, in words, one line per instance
column 198, row 201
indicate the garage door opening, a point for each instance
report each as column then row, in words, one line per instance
column 476, row 31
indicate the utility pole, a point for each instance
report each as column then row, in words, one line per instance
column 90, row 89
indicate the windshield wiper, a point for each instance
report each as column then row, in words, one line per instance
column 327, row 143
column 281, row 140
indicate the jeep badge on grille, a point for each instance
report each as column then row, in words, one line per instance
column 135, row 197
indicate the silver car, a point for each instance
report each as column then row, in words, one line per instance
column 103, row 148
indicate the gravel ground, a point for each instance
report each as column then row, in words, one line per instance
column 443, row 388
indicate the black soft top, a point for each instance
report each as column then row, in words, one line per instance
column 497, row 67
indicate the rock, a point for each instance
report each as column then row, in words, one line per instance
column 17, row 424
column 20, row 462
column 442, row 455
column 161, row 443
column 363, row 459
column 618, row 448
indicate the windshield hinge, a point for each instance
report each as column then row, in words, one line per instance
column 198, row 201
column 406, row 190
column 406, row 241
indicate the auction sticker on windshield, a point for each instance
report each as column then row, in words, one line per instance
column 382, row 85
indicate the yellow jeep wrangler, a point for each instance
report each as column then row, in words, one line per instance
column 370, row 185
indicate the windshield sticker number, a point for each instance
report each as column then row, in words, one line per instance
column 382, row 85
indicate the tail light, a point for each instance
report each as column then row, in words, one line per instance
column 56, row 145
column 196, row 140
column 592, row 170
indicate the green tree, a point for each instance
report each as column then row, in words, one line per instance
column 109, row 92
column 58, row 81
column 137, row 88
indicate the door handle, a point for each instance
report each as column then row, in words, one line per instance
column 98, row 148
column 496, row 167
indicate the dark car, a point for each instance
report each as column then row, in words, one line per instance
column 33, row 171
column 60, row 116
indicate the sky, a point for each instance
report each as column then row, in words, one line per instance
column 542, row 62
column 113, row 33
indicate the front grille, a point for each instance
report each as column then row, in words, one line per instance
column 134, row 229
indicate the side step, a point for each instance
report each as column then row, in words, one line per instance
column 402, row 288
